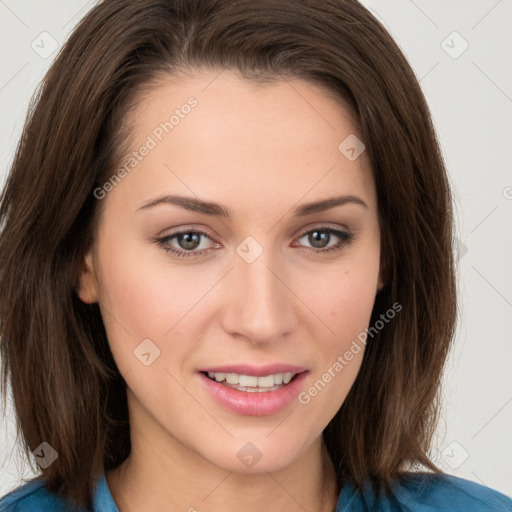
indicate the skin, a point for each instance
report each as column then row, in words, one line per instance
column 260, row 152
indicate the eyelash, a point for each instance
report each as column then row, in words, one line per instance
column 345, row 238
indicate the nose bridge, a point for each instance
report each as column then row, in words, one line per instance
column 261, row 306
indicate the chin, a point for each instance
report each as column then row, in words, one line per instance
column 257, row 453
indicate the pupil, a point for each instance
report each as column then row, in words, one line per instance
column 319, row 239
column 189, row 240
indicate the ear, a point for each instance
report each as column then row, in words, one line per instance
column 87, row 283
column 380, row 283
column 384, row 271
column 382, row 279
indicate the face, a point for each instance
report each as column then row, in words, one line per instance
column 253, row 285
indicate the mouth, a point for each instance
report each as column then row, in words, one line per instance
column 252, row 383
column 267, row 393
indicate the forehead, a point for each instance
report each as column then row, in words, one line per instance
column 225, row 100
column 258, row 140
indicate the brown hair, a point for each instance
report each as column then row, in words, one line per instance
column 66, row 387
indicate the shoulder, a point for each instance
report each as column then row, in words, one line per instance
column 426, row 492
column 33, row 496
column 450, row 493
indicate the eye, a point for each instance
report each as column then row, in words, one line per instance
column 189, row 243
column 322, row 236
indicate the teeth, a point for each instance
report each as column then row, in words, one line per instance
column 231, row 378
column 247, row 381
column 250, row 381
column 265, row 382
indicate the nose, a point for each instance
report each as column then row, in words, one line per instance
column 260, row 304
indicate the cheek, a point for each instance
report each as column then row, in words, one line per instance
column 150, row 300
column 345, row 304
column 351, row 306
column 142, row 300
column 346, row 307
column 343, row 298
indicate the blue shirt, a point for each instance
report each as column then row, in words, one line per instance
column 422, row 492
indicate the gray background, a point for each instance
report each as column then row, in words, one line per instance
column 469, row 91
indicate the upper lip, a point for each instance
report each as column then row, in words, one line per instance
column 256, row 371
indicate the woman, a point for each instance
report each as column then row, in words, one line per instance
column 226, row 266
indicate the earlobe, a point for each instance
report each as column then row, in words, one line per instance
column 380, row 281
column 384, row 275
column 87, row 289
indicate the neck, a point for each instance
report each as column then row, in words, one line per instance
column 163, row 474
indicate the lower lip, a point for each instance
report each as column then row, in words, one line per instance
column 256, row 403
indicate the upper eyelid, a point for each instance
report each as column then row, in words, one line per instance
column 324, row 227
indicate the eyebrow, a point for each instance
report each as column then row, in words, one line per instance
column 215, row 209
